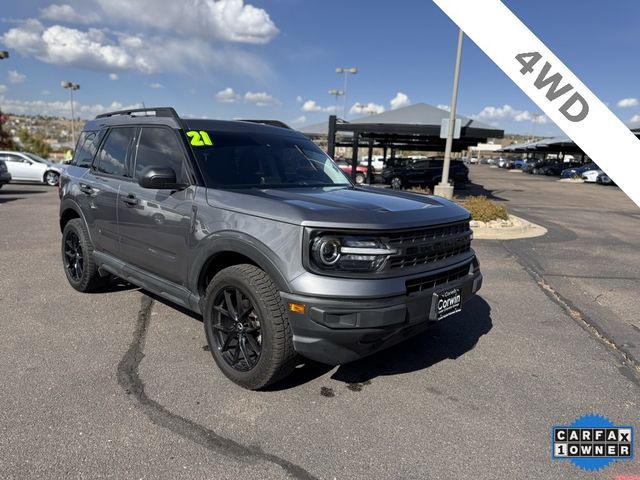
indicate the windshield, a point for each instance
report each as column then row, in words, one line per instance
column 36, row 158
column 259, row 160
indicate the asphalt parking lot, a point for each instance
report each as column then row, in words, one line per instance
column 120, row 385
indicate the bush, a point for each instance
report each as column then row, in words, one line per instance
column 484, row 210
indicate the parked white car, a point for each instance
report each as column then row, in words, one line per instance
column 591, row 176
column 27, row 167
column 376, row 163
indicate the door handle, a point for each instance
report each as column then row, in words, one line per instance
column 130, row 200
column 86, row 189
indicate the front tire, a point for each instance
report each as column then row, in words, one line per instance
column 247, row 327
column 51, row 178
column 77, row 258
column 360, row 178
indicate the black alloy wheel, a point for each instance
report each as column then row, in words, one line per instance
column 237, row 330
column 73, row 256
column 247, row 327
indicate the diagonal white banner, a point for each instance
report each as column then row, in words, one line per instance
column 552, row 86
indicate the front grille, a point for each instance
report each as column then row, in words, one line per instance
column 428, row 282
column 428, row 245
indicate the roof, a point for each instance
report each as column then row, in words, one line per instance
column 321, row 128
column 419, row 114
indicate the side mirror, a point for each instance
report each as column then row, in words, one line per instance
column 159, row 178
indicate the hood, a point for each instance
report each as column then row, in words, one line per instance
column 339, row 207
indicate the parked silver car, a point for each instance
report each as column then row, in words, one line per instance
column 27, row 167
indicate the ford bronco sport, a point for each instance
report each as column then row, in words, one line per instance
column 255, row 228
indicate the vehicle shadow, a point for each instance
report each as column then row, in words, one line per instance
column 14, row 191
column 446, row 340
column 475, row 190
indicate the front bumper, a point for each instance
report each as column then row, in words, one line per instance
column 340, row 331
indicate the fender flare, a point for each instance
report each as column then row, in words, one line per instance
column 242, row 244
column 68, row 204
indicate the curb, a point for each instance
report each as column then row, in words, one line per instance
column 526, row 230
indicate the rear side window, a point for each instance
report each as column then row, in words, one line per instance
column 160, row 147
column 86, row 149
column 112, row 157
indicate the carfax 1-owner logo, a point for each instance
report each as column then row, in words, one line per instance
column 592, row 442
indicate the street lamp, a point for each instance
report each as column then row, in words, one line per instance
column 346, row 72
column 336, row 94
column 71, row 86
column 443, row 188
column 3, row 54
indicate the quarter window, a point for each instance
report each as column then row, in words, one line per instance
column 159, row 147
column 112, row 157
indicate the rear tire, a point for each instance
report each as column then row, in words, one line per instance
column 247, row 327
column 396, row 182
column 360, row 178
column 77, row 258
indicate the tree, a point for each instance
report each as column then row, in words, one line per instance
column 34, row 143
column 6, row 143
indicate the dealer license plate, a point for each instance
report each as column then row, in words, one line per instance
column 447, row 302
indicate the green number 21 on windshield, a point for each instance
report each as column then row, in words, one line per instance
column 199, row 139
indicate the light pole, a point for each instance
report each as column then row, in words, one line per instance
column 336, row 94
column 3, row 54
column 443, row 188
column 536, row 116
column 71, row 86
column 346, row 72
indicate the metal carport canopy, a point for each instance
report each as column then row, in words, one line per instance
column 415, row 126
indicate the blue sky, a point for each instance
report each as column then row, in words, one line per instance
column 277, row 58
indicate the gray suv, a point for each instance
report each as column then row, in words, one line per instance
column 254, row 227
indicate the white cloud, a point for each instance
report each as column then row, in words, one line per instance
column 635, row 118
column 58, row 108
column 444, row 107
column 156, row 85
column 113, row 76
column 312, row 106
column 297, row 122
column 507, row 112
column 66, row 13
column 67, row 46
column 227, row 96
column 227, row 20
column 113, row 51
column 261, row 99
column 366, row 108
column 628, row 102
column 3, row 88
column 399, row 101
column 15, row 77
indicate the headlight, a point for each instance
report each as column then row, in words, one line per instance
column 336, row 253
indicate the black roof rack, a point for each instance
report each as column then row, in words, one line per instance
column 159, row 112
column 273, row 123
